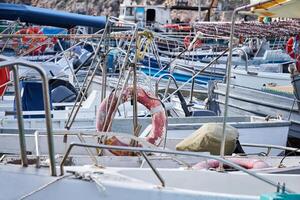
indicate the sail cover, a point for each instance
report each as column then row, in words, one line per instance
column 277, row 8
column 48, row 17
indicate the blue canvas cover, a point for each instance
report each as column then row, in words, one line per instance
column 53, row 30
column 111, row 61
column 32, row 97
column 48, row 17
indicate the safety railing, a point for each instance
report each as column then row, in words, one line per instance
column 143, row 152
column 86, row 83
column 180, row 96
column 198, row 73
column 96, row 64
column 246, row 57
column 7, row 62
column 193, row 80
column 269, row 147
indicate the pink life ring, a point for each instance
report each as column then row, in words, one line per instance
column 159, row 118
column 247, row 163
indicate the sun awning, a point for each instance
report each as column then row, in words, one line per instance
column 277, row 8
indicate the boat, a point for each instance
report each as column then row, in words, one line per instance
column 96, row 180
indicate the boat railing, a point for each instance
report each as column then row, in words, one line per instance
column 83, row 134
column 143, row 152
column 71, row 48
column 171, row 44
column 193, row 80
column 96, row 64
column 269, row 147
column 180, row 96
column 13, row 63
column 246, row 57
column 279, row 43
column 196, row 74
column 178, row 35
column 9, row 29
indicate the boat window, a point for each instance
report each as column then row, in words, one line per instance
column 150, row 15
column 129, row 11
column 182, row 3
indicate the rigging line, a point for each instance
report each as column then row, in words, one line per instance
column 291, row 110
column 44, row 186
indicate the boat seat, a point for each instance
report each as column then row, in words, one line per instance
column 62, row 94
column 200, row 113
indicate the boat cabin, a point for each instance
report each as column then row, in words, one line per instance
column 145, row 15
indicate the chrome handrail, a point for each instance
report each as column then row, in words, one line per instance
column 246, row 56
column 199, row 72
column 193, row 80
column 159, row 79
column 270, row 146
column 147, row 150
column 20, row 119
column 180, row 96
column 46, row 99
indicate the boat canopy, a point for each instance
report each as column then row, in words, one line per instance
column 48, row 17
column 277, row 8
column 32, row 98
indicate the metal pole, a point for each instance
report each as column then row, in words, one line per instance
column 246, row 57
column 19, row 110
column 85, row 81
column 222, row 150
column 199, row 9
column 22, row 141
column 105, row 129
column 235, row 12
column 157, row 174
column 69, row 64
column 46, row 98
column 106, row 41
column 104, row 78
column 135, row 109
column 124, row 84
column 193, row 80
column 76, row 106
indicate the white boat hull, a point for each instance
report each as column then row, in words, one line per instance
column 135, row 184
